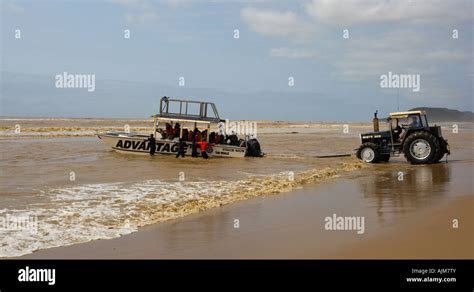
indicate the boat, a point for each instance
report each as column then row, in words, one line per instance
column 193, row 122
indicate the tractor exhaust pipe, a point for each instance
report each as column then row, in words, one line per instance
column 375, row 121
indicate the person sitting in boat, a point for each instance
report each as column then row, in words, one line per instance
column 176, row 130
column 169, row 130
column 212, row 137
column 197, row 135
column 232, row 139
column 218, row 138
column 185, row 135
column 162, row 133
column 191, row 136
column 204, row 135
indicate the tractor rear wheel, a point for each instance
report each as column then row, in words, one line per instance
column 369, row 152
column 421, row 148
column 443, row 150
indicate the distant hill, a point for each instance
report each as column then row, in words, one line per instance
column 438, row 114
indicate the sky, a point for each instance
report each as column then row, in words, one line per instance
column 335, row 78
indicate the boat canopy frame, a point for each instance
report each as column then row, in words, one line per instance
column 207, row 110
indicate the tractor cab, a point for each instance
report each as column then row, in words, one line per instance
column 408, row 133
column 401, row 123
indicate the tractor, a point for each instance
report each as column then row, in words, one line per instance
column 410, row 134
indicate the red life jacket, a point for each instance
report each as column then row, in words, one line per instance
column 203, row 146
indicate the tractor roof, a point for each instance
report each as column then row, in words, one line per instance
column 399, row 115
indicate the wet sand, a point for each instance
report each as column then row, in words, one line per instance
column 404, row 225
column 428, row 234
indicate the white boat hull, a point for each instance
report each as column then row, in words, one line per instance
column 138, row 144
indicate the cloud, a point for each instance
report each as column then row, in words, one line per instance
column 141, row 18
column 367, row 57
column 179, row 3
column 401, row 47
column 10, row 7
column 133, row 4
column 138, row 11
column 274, row 23
column 189, row 3
column 353, row 12
column 293, row 53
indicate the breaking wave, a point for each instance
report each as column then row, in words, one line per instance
column 101, row 211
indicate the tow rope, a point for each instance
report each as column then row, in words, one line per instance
column 334, row 155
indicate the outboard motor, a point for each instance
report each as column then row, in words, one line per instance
column 253, row 149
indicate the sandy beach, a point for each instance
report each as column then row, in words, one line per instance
column 122, row 206
column 291, row 225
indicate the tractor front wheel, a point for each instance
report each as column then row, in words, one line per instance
column 369, row 152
